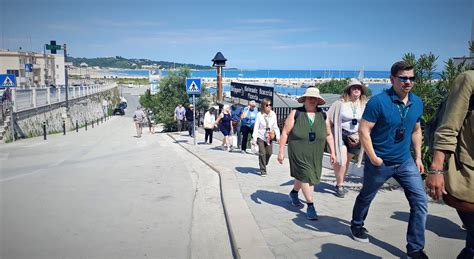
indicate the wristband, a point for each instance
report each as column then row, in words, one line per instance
column 434, row 171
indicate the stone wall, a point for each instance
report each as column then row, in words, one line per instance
column 30, row 123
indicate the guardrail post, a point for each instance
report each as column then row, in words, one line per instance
column 64, row 127
column 33, row 97
column 86, row 125
column 77, row 126
column 44, row 130
column 48, row 97
column 97, row 121
column 74, row 92
column 13, row 99
column 92, row 123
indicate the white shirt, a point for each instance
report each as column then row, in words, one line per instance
column 260, row 126
column 349, row 111
column 209, row 120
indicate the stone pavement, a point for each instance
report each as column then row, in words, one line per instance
column 263, row 223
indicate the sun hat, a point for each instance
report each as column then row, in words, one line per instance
column 312, row 92
column 190, row 106
column 353, row 82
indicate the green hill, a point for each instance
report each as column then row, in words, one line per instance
column 121, row 62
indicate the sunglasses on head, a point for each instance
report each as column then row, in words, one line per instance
column 405, row 79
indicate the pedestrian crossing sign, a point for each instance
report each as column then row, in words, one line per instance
column 7, row 81
column 193, row 85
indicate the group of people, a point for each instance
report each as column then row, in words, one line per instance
column 384, row 132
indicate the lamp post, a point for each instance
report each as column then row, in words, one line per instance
column 219, row 62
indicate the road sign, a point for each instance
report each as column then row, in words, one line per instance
column 28, row 67
column 193, row 85
column 7, row 80
column 53, row 47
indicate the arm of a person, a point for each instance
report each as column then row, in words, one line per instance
column 416, row 139
column 244, row 113
column 330, row 141
column 276, row 128
column 219, row 118
column 255, row 129
column 366, row 141
column 289, row 123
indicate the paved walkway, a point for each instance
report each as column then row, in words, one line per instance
column 264, row 224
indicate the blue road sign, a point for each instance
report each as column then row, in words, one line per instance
column 7, row 80
column 28, row 67
column 193, row 85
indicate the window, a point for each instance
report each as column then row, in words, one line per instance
column 13, row 72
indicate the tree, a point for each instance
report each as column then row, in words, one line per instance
column 432, row 92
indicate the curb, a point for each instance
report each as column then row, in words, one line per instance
column 245, row 236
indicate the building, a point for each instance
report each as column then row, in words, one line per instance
column 33, row 69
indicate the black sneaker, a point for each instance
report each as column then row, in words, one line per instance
column 420, row 254
column 263, row 174
column 339, row 191
column 360, row 234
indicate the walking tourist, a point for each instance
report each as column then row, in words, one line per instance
column 345, row 115
column 189, row 116
column 179, row 112
column 225, row 126
column 453, row 143
column 209, row 125
column 249, row 115
column 390, row 126
column 265, row 131
column 307, row 130
column 236, row 113
column 138, row 119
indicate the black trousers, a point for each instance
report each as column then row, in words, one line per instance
column 208, row 135
column 245, row 135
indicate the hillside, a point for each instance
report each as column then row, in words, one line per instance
column 121, row 62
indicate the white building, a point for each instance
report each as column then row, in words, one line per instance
column 33, row 69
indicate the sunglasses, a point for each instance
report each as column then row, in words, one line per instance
column 405, row 79
column 268, row 105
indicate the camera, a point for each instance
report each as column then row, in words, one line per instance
column 399, row 134
column 354, row 122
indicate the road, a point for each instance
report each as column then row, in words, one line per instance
column 104, row 193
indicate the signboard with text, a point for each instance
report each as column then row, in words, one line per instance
column 251, row 92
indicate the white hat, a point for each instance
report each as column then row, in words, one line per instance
column 312, row 92
column 354, row 81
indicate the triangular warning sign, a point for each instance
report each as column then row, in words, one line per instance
column 193, row 87
column 8, row 82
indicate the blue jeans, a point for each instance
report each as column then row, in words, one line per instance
column 467, row 219
column 408, row 176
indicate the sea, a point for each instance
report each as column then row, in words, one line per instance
column 242, row 73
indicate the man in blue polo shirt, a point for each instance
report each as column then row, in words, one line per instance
column 390, row 126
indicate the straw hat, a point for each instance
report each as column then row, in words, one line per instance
column 354, row 81
column 312, row 92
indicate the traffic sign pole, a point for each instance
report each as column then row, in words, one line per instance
column 194, row 119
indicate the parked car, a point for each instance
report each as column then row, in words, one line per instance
column 120, row 109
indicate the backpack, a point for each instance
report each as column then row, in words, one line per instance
column 432, row 125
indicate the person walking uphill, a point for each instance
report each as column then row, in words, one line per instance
column 179, row 112
column 209, row 125
column 265, row 131
column 345, row 115
column 248, row 117
column 307, row 130
column 453, row 142
column 390, row 126
column 189, row 116
column 236, row 113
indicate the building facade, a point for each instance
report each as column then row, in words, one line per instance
column 33, row 69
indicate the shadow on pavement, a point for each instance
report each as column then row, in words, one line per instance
column 180, row 141
column 248, row 170
column 325, row 224
column 442, row 227
column 324, row 188
column 338, row 251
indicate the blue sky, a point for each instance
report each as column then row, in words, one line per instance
column 257, row 34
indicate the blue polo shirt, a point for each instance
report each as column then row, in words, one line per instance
column 386, row 111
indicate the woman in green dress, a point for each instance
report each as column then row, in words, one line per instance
column 307, row 130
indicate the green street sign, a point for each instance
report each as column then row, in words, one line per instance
column 53, row 47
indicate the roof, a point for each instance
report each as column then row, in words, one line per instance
column 219, row 58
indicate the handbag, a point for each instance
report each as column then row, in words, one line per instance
column 353, row 140
column 254, row 148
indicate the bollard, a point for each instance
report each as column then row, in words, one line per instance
column 101, row 119
column 77, row 126
column 86, row 125
column 92, row 123
column 97, row 121
column 64, row 127
column 44, row 130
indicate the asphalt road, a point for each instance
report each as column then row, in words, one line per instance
column 105, row 193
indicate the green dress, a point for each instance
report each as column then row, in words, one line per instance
column 306, row 157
